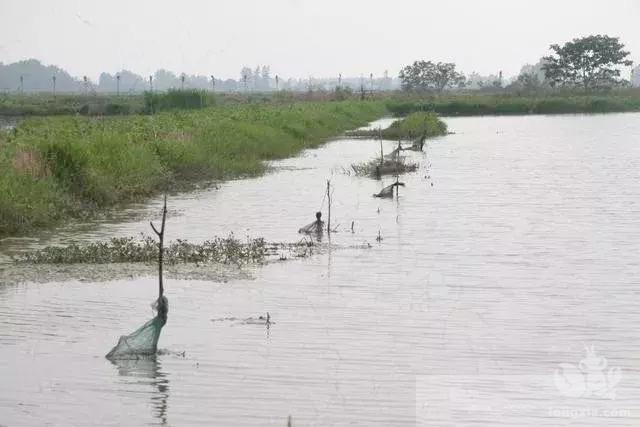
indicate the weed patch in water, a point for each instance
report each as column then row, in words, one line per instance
column 229, row 250
column 375, row 168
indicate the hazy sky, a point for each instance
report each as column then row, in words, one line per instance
column 301, row 38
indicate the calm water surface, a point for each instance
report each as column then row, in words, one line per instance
column 480, row 305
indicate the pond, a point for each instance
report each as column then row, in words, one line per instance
column 505, row 282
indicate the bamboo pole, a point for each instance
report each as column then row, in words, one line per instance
column 161, row 246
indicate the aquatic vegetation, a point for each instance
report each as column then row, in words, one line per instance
column 229, row 250
column 416, row 126
column 80, row 165
column 375, row 168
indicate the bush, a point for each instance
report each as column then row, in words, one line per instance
column 177, row 100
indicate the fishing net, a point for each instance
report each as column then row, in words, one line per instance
column 143, row 341
column 418, row 144
column 315, row 227
column 393, row 156
column 388, row 190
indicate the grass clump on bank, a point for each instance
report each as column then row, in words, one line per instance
column 415, row 125
column 60, row 167
column 173, row 99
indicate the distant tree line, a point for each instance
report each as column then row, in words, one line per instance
column 33, row 76
column 588, row 63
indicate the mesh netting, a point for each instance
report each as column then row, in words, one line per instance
column 144, row 341
column 315, row 227
column 388, row 190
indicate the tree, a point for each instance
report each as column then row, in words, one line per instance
column 446, row 76
column 426, row 75
column 265, row 75
column 588, row 62
column 246, row 77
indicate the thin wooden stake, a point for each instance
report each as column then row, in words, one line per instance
column 161, row 246
column 329, row 201
column 380, row 138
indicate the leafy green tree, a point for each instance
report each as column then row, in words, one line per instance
column 426, row 75
column 588, row 62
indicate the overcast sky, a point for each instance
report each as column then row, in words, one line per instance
column 302, row 38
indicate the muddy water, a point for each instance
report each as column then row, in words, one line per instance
column 476, row 308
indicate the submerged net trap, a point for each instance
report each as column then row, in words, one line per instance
column 387, row 192
column 316, row 227
column 144, row 340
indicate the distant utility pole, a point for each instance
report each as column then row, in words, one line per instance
column 21, row 84
column 371, row 81
column 53, row 79
column 213, row 83
column 117, row 84
column 86, row 84
column 182, row 81
column 340, row 80
column 277, row 81
column 150, row 83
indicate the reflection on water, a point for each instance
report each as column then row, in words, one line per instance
column 147, row 371
column 513, row 247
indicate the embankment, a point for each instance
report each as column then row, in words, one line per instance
column 53, row 168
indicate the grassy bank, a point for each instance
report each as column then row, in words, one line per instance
column 104, row 104
column 502, row 104
column 460, row 103
column 59, row 167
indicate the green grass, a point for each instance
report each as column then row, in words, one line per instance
column 412, row 126
column 52, row 168
column 415, row 125
column 173, row 99
column 502, row 104
column 45, row 104
column 495, row 102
